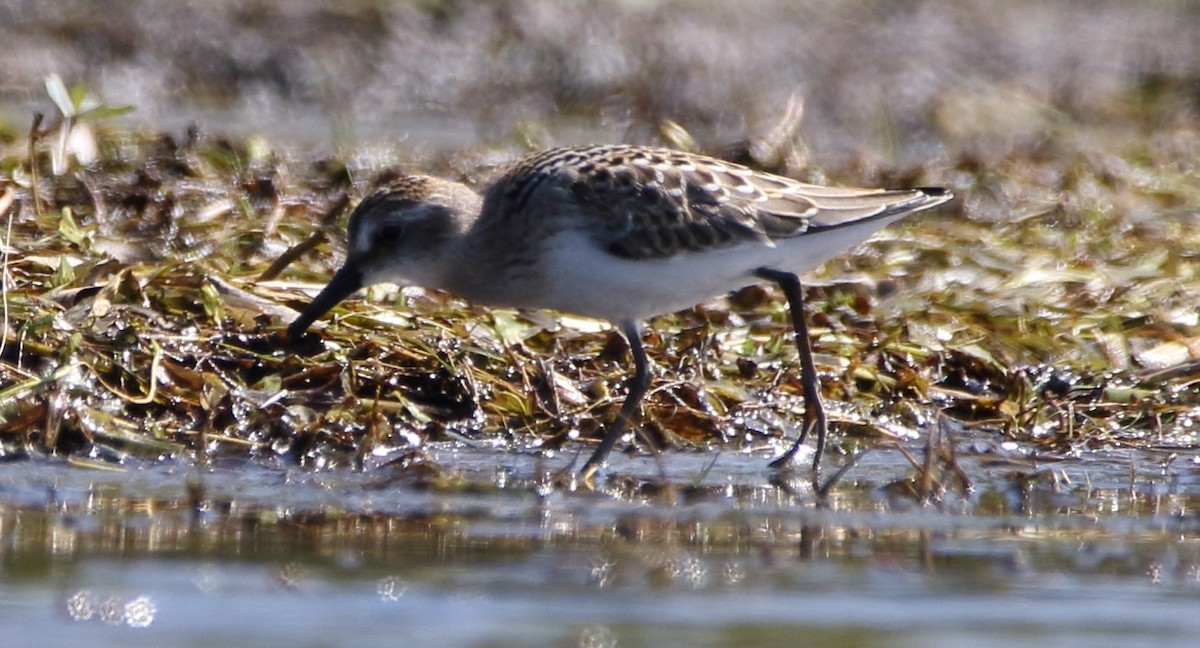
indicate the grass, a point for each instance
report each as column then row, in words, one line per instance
column 146, row 287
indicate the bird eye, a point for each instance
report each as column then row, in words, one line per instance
column 389, row 233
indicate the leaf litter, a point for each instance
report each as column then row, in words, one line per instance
column 146, row 289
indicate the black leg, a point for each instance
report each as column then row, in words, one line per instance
column 637, row 389
column 814, row 411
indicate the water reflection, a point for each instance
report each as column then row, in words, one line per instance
column 499, row 557
column 391, row 588
column 85, row 605
column 597, row 637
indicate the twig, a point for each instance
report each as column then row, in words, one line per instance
column 150, row 393
column 6, row 201
column 291, row 254
column 34, row 134
column 14, row 392
column 823, row 491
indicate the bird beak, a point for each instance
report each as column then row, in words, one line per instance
column 346, row 282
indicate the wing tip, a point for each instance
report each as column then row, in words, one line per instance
column 936, row 195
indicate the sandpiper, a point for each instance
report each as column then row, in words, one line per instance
column 620, row 233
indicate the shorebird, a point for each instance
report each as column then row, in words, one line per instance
column 619, row 233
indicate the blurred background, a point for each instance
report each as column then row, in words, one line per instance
column 888, row 82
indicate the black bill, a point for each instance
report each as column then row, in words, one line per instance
column 346, row 282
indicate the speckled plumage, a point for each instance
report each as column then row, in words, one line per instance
column 644, row 202
column 615, row 232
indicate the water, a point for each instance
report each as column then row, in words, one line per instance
column 500, row 555
column 1096, row 550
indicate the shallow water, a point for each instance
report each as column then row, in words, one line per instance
column 672, row 552
column 493, row 549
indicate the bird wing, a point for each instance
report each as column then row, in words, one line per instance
column 644, row 203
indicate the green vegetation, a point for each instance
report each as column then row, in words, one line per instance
column 147, row 278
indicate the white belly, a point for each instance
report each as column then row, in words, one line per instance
column 582, row 278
